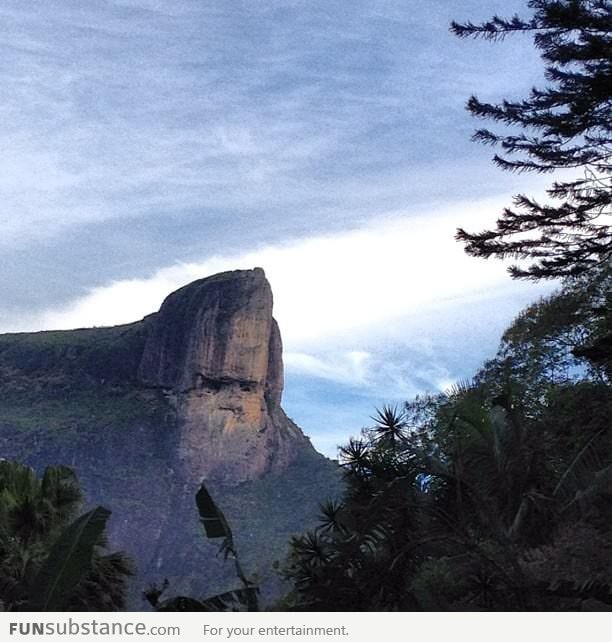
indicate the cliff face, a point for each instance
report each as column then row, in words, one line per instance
column 216, row 352
column 216, row 330
column 144, row 412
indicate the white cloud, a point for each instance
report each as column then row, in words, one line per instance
column 348, row 367
column 341, row 300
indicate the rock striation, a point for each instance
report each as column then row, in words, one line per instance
column 216, row 329
column 215, row 350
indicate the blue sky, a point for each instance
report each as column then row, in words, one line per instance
column 146, row 143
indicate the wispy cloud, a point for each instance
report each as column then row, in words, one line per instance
column 346, row 367
column 147, row 143
column 344, row 301
column 144, row 109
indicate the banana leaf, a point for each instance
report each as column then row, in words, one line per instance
column 211, row 517
column 69, row 560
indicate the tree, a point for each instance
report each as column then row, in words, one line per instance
column 566, row 126
column 466, row 501
column 546, row 345
column 362, row 555
column 47, row 561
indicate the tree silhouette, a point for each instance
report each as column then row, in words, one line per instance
column 565, row 126
column 514, row 516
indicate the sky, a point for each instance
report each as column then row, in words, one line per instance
column 147, row 143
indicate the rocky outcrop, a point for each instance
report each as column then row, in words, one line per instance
column 216, row 329
column 144, row 412
column 216, row 350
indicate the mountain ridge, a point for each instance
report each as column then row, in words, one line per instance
column 145, row 411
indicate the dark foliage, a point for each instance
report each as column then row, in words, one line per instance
column 565, row 126
column 493, row 496
column 47, row 561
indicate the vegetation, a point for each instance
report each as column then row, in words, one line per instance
column 496, row 495
column 493, row 496
column 47, row 561
column 215, row 526
column 60, row 380
column 566, row 126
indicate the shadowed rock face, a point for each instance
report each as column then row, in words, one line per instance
column 216, row 351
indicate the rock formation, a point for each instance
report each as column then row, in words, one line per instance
column 216, row 351
column 144, row 412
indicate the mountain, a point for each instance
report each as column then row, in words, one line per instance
column 144, row 412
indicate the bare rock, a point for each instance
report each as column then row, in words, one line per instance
column 216, row 350
column 216, row 329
